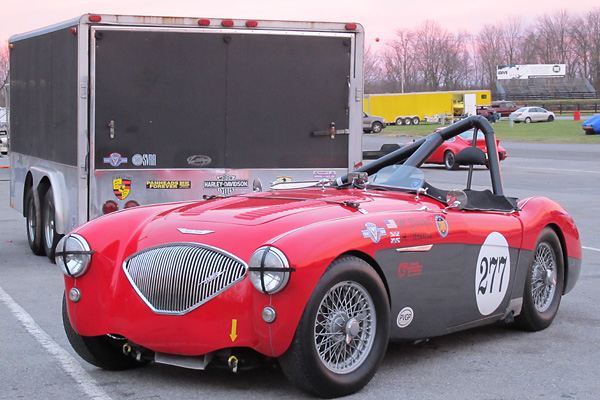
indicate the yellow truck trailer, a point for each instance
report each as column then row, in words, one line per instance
column 412, row 108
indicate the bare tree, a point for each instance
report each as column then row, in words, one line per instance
column 489, row 52
column 4, row 65
column 431, row 43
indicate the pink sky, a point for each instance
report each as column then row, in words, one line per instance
column 380, row 18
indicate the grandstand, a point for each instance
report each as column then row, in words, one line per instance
column 540, row 88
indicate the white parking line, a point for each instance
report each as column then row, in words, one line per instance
column 590, row 248
column 89, row 386
column 559, row 170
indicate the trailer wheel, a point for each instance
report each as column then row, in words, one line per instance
column 399, row 121
column 33, row 219
column 407, row 121
column 50, row 236
column 416, row 121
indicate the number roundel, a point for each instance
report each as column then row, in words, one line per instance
column 493, row 273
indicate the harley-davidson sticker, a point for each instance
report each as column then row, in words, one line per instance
column 122, row 187
column 226, row 184
column 442, row 225
column 168, row 184
column 373, row 232
column 115, row 159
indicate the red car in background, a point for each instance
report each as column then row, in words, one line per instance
column 446, row 153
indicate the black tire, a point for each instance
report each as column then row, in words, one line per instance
column 407, row 121
column 527, row 120
column 105, row 352
column 449, row 161
column 330, row 317
column 33, row 219
column 544, row 283
column 399, row 121
column 416, row 121
column 50, row 237
column 550, row 118
column 376, row 127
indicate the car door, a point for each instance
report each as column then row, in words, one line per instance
column 450, row 270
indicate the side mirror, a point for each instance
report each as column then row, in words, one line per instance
column 456, row 199
column 470, row 156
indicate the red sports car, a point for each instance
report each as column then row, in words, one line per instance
column 319, row 275
column 447, row 152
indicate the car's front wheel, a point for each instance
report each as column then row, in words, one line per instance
column 544, row 283
column 104, row 351
column 343, row 333
column 376, row 127
column 550, row 118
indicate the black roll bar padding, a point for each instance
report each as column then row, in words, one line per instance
column 416, row 153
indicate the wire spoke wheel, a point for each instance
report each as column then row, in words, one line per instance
column 345, row 327
column 543, row 277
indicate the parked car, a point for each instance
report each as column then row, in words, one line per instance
column 532, row 114
column 497, row 108
column 372, row 123
column 318, row 275
column 3, row 142
column 592, row 125
column 446, row 153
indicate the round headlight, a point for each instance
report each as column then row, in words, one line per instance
column 269, row 270
column 73, row 255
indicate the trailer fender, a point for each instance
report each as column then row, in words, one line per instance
column 58, row 186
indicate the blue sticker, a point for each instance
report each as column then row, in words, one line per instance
column 373, row 232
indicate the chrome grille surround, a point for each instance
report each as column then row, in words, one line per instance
column 176, row 278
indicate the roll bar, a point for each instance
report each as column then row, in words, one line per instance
column 416, row 153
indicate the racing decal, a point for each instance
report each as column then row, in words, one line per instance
column 226, row 184
column 492, row 274
column 168, row 184
column 373, row 232
column 144, row 160
column 394, row 237
column 405, row 317
column 324, row 175
column 115, row 159
column 390, row 223
column 122, row 187
column 283, row 179
column 408, row 269
column 199, row 160
column 442, row 225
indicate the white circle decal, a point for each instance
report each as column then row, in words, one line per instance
column 405, row 317
column 493, row 273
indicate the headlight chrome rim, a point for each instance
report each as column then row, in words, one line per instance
column 73, row 255
column 269, row 270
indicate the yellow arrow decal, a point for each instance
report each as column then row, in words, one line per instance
column 233, row 334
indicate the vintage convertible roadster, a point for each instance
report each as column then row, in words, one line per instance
column 318, row 275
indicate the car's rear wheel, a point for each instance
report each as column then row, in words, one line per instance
column 376, row 127
column 527, row 120
column 544, row 283
column 33, row 220
column 50, row 236
column 104, row 351
column 449, row 161
column 343, row 333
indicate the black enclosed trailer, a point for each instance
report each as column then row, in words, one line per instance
column 111, row 111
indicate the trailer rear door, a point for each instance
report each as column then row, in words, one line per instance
column 193, row 98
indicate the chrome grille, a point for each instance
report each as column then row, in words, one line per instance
column 179, row 277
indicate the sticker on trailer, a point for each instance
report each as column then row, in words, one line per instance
column 492, row 274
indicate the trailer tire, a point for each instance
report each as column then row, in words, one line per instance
column 416, row 121
column 50, row 237
column 407, row 121
column 399, row 121
column 33, row 219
